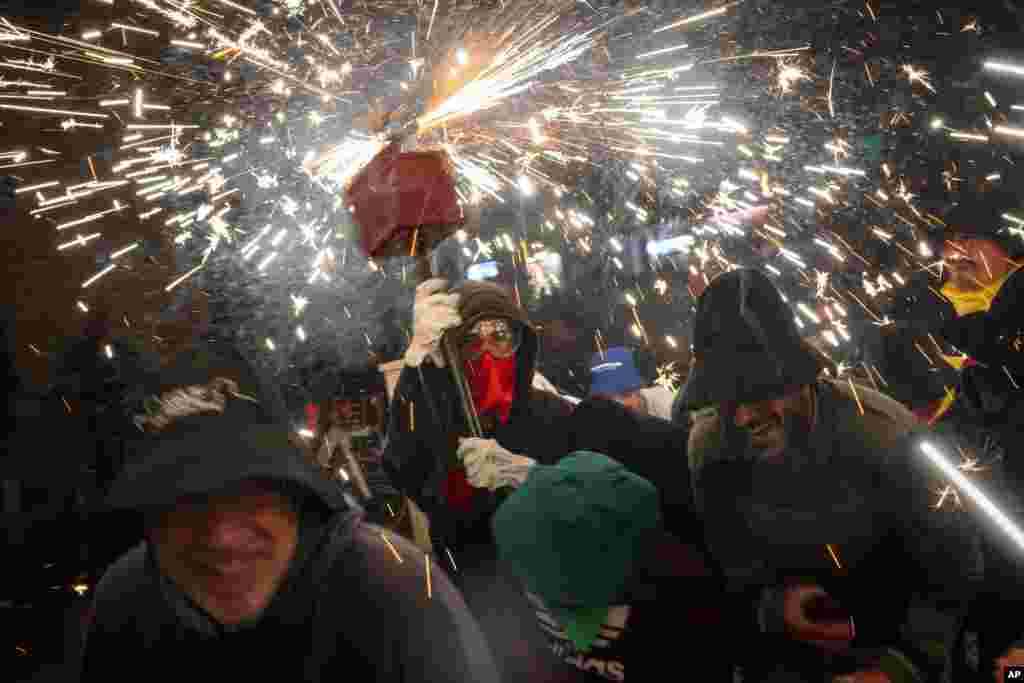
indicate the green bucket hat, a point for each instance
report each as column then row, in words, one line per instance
column 572, row 533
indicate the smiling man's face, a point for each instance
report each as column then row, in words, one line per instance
column 772, row 423
column 229, row 552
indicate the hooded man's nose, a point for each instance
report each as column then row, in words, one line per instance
column 228, row 532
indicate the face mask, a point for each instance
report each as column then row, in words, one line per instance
column 493, row 383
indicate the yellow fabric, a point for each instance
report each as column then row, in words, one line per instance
column 955, row 362
column 974, row 300
column 947, row 401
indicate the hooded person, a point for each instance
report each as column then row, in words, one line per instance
column 429, row 449
column 584, row 537
column 816, row 500
column 254, row 565
column 428, row 433
column 627, row 375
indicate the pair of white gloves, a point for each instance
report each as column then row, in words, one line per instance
column 435, row 309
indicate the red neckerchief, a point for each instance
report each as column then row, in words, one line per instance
column 493, row 383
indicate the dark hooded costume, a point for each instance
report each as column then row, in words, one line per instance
column 850, row 508
column 347, row 608
column 426, row 421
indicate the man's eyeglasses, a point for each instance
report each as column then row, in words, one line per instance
column 500, row 337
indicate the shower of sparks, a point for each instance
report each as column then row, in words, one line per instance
column 668, row 376
column 525, row 98
column 918, row 76
column 789, row 76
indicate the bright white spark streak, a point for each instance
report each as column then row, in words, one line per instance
column 805, row 309
column 136, row 29
column 239, row 7
column 88, row 219
column 79, row 241
column 121, row 252
column 1005, row 68
column 183, row 278
column 1005, row 524
column 698, row 17
column 1004, row 130
column 98, row 275
column 968, row 136
column 662, row 51
column 57, row 112
column 40, row 186
column 157, row 126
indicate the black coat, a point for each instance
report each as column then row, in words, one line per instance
column 425, row 422
column 347, row 611
column 853, row 511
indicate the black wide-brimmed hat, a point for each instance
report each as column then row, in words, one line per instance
column 746, row 346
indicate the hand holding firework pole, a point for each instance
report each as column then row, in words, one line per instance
column 405, row 203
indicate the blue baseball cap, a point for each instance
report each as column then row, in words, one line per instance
column 615, row 372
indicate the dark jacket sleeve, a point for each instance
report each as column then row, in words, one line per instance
column 426, row 632
column 112, row 631
column 549, row 440
column 420, row 431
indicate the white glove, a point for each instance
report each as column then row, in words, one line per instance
column 490, row 466
column 434, row 311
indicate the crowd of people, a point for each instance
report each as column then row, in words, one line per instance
column 774, row 521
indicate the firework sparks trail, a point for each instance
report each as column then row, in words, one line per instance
column 521, row 100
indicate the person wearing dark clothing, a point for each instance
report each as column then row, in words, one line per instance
column 605, row 580
column 428, row 438
column 255, row 566
column 427, row 421
column 816, row 501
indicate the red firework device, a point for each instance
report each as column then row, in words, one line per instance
column 405, row 202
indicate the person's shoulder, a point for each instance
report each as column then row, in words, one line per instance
column 123, row 585
column 883, row 420
column 376, row 560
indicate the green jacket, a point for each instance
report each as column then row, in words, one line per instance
column 853, row 509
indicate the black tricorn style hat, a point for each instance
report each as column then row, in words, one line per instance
column 746, row 346
column 211, row 422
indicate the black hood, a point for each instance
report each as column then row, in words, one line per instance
column 211, row 421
